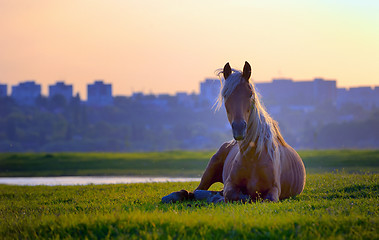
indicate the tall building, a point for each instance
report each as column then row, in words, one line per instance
column 325, row 91
column 209, row 90
column 298, row 93
column 365, row 97
column 376, row 96
column 26, row 92
column 99, row 94
column 3, row 90
column 60, row 88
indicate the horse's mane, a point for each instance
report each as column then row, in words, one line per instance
column 262, row 131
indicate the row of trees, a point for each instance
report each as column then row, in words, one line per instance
column 53, row 124
column 128, row 125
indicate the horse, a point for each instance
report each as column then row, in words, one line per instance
column 258, row 163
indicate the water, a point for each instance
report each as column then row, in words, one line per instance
column 79, row 180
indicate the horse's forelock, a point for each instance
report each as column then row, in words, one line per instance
column 228, row 86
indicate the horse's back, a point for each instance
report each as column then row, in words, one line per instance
column 292, row 175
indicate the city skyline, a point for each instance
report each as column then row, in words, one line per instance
column 299, row 95
column 61, row 122
column 169, row 46
column 46, row 88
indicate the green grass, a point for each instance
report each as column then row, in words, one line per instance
column 177, row 163
column 332, row 206
column 340, row 200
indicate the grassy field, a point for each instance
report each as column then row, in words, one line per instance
column 342, row 204
column 164, row 163
column 333, row 205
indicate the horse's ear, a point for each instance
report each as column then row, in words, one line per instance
column 227, row 71
column 246, row 71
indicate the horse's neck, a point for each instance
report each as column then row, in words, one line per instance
column 256, row 141
column 248, row 149
column 249, row 146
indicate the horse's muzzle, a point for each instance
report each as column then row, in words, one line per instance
column 239, row 130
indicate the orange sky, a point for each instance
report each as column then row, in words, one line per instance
column 169, row 45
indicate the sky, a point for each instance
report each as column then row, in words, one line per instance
column 168, row 46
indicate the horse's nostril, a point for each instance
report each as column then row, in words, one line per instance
column 239, row 125
column 239, row 130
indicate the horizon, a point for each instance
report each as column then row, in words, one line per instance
column 169, row 46
column 45, row 88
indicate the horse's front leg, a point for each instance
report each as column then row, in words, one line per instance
column 272, row 195
column 212, row 174
column 213, row 171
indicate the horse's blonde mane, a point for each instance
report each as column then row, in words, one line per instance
column 262, row 131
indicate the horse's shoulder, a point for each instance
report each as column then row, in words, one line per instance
column 225, row 148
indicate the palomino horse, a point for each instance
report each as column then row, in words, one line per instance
column 258, row 163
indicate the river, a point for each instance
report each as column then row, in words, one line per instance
column 86, row 180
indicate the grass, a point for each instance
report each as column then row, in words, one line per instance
column 340, row 200
column 333, row 206
column 177, row 163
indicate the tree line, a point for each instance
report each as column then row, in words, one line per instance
column 57, row 125
column 53, row 124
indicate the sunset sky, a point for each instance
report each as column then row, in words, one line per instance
column 167, row 46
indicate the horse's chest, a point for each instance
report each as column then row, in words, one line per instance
column 250, row 176
column 261, row 178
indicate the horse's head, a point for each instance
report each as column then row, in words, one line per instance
column 237, row 94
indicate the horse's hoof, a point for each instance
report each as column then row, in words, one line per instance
column 202, row 194
column 220, row 200
column 176, row 197
column 216, row 199
column 270, row 198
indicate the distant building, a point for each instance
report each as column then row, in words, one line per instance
column 185, row 99
column 163, row 101
column 137, row 96
column 60, row 88
column 365, row 97
column 300, row 95
column 325, row 91
column 376, row 96
column 26, row 92
column 99, row 94
column 3, row 90
column 209, row 90
column 152, row 100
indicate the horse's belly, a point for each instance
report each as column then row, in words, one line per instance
column 292, row 177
